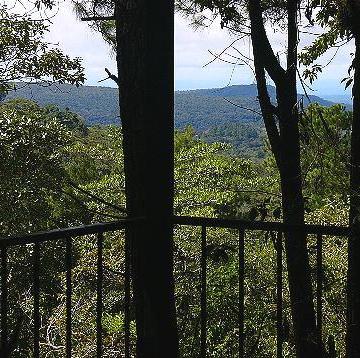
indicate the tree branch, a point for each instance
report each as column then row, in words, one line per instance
column 97, row 198
column 110, row 77
column 222, row 52
column 261, row 44
column 93, row 211
column 98, row 18
column 245, row 108
column 268, row 110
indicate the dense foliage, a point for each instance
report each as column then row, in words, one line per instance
column 25, row 56
column 229, row 115
column 76, row 176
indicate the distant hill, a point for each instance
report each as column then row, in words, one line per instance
column 229, row 114
column 206, row 108
column 203, row 109
column 97, row 105
column 344, row 99
column 250, row 91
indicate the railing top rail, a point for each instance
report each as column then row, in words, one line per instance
column 58, row 234
column 331, row 230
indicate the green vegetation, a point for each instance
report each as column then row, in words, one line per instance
column 26, row 56
column 245, row 139
column 213, row 118
column 97, row 105
column 57, row 173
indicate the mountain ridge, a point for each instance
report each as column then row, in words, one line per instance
column 201, row 108
column 236, row 120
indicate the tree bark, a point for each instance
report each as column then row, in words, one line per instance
column 307, row 340
column 353, row 279
column 145, row 52
column 285, row 144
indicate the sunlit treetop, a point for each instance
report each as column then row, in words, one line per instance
column 340, row 21
column 25, row 56
column 98, row 9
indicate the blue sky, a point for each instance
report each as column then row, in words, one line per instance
column 191, row 54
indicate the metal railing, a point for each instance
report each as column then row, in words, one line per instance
column 71, row 234
column 242, row 227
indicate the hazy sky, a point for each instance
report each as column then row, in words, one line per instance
column 191, row 54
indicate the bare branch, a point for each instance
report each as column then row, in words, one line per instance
column 245, row 108
column 110, row 77
column 223, row 51
column 98, row 18
column 217, row 57
column 97, row 198
column 81, row 203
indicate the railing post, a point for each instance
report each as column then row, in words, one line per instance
column 319, row 284
column 127, row 294
column 99, row 295
column 203, row 294
column 279, row 298
column 36, row 292
column 68, row 259
column 241, row 293
column 4, row 301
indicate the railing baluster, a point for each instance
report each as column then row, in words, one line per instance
column 319, row 283
column 241, row 292
column 279, row 297
column 203, row 311
column 99, row 295
column 127, row 295
column 331, row 347
column 36, row 290
column 68, row 260
column 4, row 300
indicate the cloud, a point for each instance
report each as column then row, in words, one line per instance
column 78, row 40
column 191, row 54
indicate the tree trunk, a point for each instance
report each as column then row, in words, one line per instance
column 307, row 340
column 353, row 280
column 145, row 52
column 285, row 144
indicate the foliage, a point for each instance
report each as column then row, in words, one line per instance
column 213, row 118
column 245, row 139
column 210, row 181
column 95, row 165
column 70, row 120
column 42, row 150
column 335, row 18
column 26, row 56
column 325, row 137
column 32, row 176
column 34, row 148
column 96, row 8
column 30, row 166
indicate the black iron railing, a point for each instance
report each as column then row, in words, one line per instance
column 99, row 230
column 69, row 235
column 243, row 226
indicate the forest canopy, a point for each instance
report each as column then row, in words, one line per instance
column 75, row 176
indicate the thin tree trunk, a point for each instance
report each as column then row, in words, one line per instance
column 145, row 67
column 302, row 308
column 285, row 144
column 353, row 287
